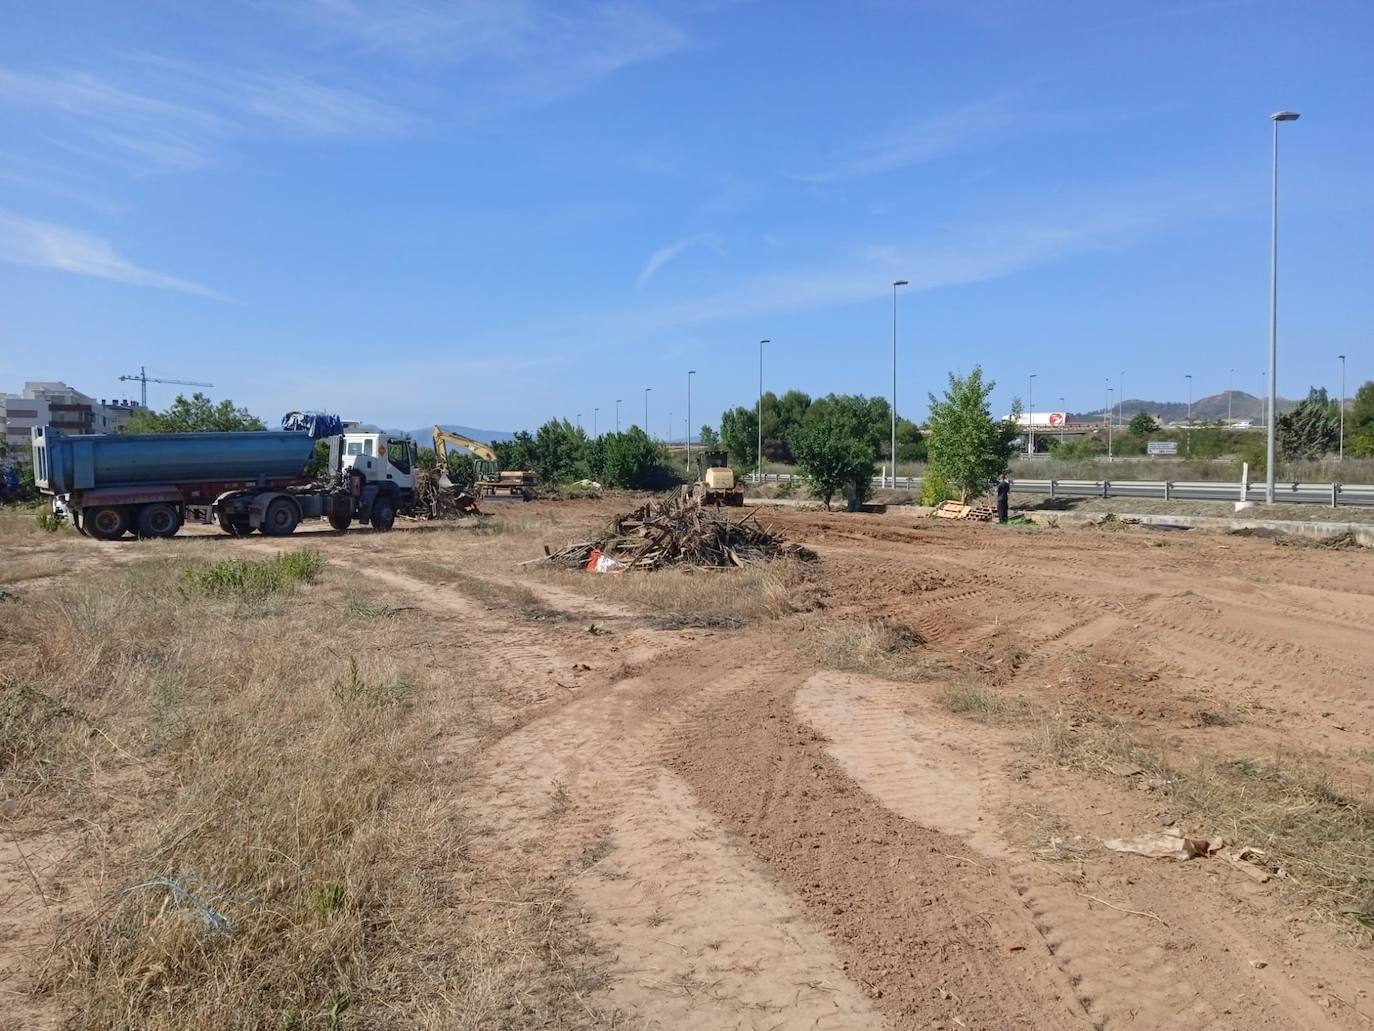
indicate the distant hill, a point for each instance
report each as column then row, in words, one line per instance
column 1205, row 409
column 485, row 436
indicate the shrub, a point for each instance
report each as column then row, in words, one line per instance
column 934, row 489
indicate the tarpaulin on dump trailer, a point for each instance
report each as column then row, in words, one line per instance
column 318, row 424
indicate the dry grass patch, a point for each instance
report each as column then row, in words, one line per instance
column 871, row 646
column 979, row 701
column 26, row 521
column 1320, row 834
column 759, row 591
column 255, row 838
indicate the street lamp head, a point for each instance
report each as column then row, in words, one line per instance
column 765, row 341
column 899, row 282
column 1284, row 116
column 691, row 372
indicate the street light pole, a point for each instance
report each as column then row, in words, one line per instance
column 1030, row 418
column 690, row 374
column 1120, row 403
column 1108, row 414
column 760, row 411
column 646, row 413
column 617, row 415
column 1189, row 378
column 595, row 434
column 1276, row 118
column 579, row 420
column 1230, row 393
column 1341, row 456
column 895, row 283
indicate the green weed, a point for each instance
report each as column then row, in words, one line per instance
column 252, row 578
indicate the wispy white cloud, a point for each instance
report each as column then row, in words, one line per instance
column 534, row 50
column 968, row 127
column 667, row 253
column 27, row 241
column 1003, row 244
column 125, row 113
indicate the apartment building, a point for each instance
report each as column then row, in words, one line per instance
column 56, row 404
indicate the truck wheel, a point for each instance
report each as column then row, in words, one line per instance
column 158, row 520
column 340, row 522
column 281, row 518
column 383, row 514
column 106, row 524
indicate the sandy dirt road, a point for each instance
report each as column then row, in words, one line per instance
column 754, row 839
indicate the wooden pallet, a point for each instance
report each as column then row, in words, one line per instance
column 957, row 510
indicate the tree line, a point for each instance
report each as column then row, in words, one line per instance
column 796, row 412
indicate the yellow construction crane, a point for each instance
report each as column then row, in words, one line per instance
column 491, row 480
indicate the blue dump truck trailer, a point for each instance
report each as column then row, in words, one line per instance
column 152, row 484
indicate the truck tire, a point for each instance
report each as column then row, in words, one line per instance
column 281, row 518
column 106, row 524
column 157, row 520
column 340, row 521
column 383, row 513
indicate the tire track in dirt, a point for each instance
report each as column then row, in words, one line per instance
column 1126, row 972
column 698, row 933
column 919, row 925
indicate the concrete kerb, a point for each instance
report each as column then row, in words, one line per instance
column 1361, row 533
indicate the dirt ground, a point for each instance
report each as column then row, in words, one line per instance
column 872, row 793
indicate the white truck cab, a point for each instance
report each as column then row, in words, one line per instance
column 376, row 455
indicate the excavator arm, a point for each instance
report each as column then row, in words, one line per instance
column 488, row 467
column 490, row 478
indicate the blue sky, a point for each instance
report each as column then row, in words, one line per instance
column 496, row 212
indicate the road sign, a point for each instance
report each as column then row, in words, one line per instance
column 1162, row 447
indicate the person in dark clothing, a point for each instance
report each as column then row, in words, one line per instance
column 1003, row 489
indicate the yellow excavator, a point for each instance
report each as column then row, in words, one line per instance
column 491, row 479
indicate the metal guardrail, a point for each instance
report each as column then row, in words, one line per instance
column 1332, row 495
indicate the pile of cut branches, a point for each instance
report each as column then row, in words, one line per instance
column 433, row 500
column 678, row 530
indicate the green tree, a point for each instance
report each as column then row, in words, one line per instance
column 1361, row 413
column 911, row 445
column 867, row 417
column 708, row 437
column 1359, row 423
column 1142, row 424
column 1308, row 430
column 318, row 466
column 635, row 462
column 739, row 429
column 560, row 452
column 835, row 456
column 516, row 453
column 967, row 446
column 197, row 415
